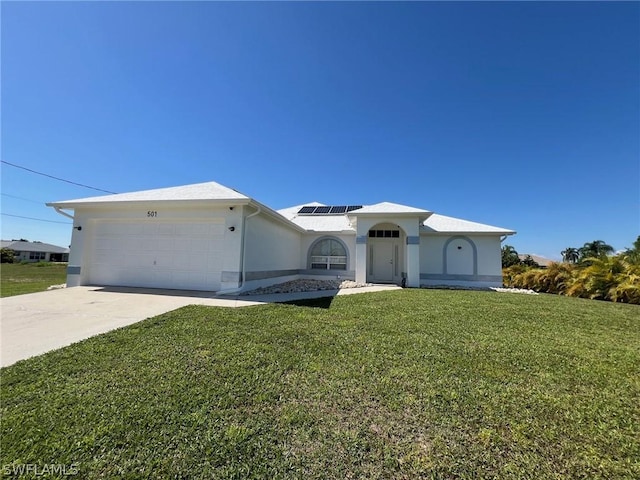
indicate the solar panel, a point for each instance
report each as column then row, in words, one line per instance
column 307, row 210
column 327, row 210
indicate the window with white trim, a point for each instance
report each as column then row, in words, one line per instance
column 328, row 254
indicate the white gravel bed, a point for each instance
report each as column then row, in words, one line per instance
column 514, row 290
column 495, row 289
column 57, row 287
column 306, row 286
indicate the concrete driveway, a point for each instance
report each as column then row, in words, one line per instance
column 36, row 323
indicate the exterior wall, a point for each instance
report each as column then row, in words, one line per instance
column 272, row 252
column 472, row 260
column 348, row 240
column 25, row 256
column 82, row 240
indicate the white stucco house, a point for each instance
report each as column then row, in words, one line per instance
column 212, row 238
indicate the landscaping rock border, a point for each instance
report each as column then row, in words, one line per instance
column 308, row 285
column 494, row 289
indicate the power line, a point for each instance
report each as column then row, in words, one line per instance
column 38, row 219
column 55, row 178
column 22, row 198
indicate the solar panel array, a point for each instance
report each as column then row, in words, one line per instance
column 328, row 210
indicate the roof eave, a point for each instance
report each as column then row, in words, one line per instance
column 422, row 216
column 132, row 203
column 336, row 232
column 467, row 232
column 275, row 215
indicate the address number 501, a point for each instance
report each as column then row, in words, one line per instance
column 152, row 213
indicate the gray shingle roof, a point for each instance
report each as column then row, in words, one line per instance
column 542, row 261
column 19, row 246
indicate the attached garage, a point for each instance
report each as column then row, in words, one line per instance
column 182, row 238
column 168, row 253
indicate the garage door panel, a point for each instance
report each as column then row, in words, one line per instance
column 166, row 229
column 199, row 244
column 166, row 243
column 162, row 254
column 140, row 260
column 166, row 261
column 150, row 229
column 201, row 229
column 214, row 264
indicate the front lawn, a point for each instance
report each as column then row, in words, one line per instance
column 20, row 278
column 402, row 384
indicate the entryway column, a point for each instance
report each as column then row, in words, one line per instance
column 413, row 261
column 361, row 258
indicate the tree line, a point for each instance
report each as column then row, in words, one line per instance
column 591, row 271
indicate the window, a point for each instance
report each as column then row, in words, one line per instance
column 37, row 256
column 328, row 254
column 384, row 233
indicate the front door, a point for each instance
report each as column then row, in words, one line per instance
column 383, row 262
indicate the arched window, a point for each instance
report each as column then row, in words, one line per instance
column 328, row 254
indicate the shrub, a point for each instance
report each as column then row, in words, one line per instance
column 606, row 278
column 43, row 264
column 7, row 255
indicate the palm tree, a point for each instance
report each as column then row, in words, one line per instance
column 570, row 255
column 632, row 254
column 509, row 256
column 595, row 249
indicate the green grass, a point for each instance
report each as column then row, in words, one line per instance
column 403, row 384
column 18, row 279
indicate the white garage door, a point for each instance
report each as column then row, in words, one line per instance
column 157, row 254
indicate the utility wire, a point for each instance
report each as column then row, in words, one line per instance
column 38, row 219
column 55, row 178
column 22, row 198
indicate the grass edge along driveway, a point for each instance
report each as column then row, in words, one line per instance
column 21, row 278
column 404, row 384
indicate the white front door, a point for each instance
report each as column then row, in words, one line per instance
column 382, row 262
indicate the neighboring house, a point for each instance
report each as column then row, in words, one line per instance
column 542, row 261
column 36, row 251
column 212, row 238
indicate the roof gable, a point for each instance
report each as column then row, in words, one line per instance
column 197, row 191
column 389, row 208
column 443, row 224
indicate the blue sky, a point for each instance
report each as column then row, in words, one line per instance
column 520, row 115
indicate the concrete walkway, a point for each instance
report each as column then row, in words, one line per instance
column 36, row 323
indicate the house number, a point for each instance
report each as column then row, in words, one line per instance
column 152, row 213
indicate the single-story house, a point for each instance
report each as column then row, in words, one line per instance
column 543, row 262
column 212, row 238
column 36, row 251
